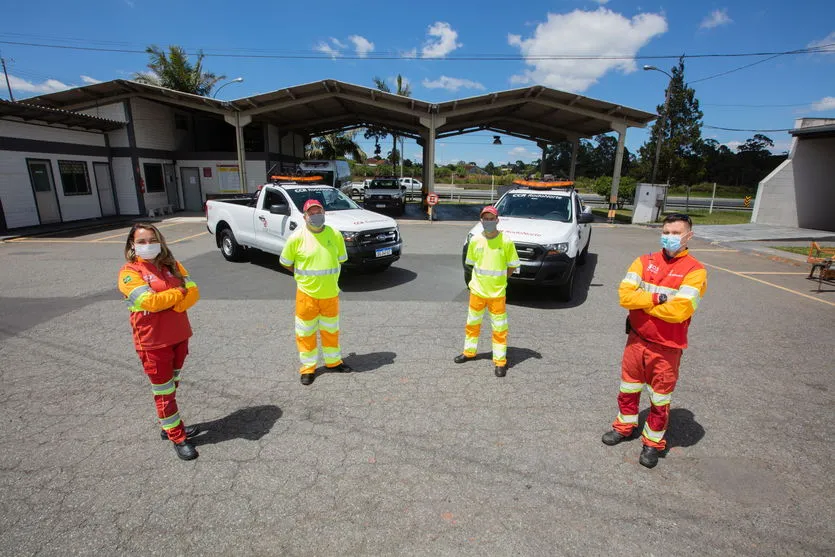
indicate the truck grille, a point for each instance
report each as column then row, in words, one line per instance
column 528, row 252
column 382, row 236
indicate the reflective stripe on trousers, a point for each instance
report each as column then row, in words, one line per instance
column 317, row 315
column 498, row 320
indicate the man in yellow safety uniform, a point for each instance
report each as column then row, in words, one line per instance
column 493, row 258
column 315, row 253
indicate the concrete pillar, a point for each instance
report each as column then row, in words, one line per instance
column 239, row 122
column 575, row 146
column 432, row 123
column 613, row 197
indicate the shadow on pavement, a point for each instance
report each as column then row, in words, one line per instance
column 444, row 212
column 546, row 297
column 370, row 361
column 682, row 430
column 359, row 281
column 515, row 355
column 247, row 423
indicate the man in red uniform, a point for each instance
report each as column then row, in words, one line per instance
column 661, row 290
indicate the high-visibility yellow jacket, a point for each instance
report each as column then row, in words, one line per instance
column 158, row 308
column 490, row 258
column 316, row 258
column 682, row 278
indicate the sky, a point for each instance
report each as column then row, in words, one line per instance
column 507, row 45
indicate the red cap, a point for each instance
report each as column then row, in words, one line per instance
column 489, row 209
column 311, row 203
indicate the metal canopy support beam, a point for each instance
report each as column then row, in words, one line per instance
column 575, row 145
column 544, row 146
column 239, row 121
column 613, row 196
column 432, row 123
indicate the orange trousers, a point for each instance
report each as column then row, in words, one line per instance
column 162, row 366
column 317, row 315
column 656, row 367
column 497, row 308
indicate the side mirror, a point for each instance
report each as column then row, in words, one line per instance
column 280, row 209
column 587, row 209
column 585, row 218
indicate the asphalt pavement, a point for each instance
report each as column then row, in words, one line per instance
column 411, row 454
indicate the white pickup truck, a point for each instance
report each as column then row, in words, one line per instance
column 266, row 219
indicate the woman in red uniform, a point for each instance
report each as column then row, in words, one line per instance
column 158, row 291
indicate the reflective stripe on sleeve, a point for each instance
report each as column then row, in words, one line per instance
column 469, row 262
column 655, row 289
column 632, row 278
column 690, row 293
column 316, row 272
column 514, row 263
column 626, row 387
column 137, row 292
column 285, row 261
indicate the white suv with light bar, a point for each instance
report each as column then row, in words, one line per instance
column 550, row 226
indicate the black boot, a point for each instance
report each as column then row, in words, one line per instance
column 614, row 437
column 461, row 358
column 649, row 456
column 307, row 378
column 191, row 431
column 186, row 450
column 500, row 371
column 342, row 368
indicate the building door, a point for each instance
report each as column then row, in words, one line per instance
column 40, row 172
column 171, row 185
column 192, row 194
column 108, row 203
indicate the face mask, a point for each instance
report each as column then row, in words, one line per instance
column 671, row 242
column 147, row 251
column 489, row 226
column 317, row 220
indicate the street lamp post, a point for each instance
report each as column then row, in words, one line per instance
column 661, row 122
column 236, row 80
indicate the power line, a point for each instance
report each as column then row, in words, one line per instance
column 745, row 130
column 518, row 57
column 735, row 69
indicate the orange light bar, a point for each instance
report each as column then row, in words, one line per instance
column 296, row 178
column 539, row 184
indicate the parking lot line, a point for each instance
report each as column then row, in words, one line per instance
column 770, row 273
column 56, row 241
column 827, row 302
column 725, row 250
column 188, row 237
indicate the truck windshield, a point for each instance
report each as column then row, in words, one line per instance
column 330, row 198
column 385, row 184
column 535, row 206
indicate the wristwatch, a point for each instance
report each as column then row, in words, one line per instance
column 662, row 298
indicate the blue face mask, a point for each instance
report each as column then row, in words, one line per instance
column 671, row 242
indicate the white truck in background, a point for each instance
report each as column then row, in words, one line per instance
column 266, row 219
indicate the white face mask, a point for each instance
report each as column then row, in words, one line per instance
column 147, row 251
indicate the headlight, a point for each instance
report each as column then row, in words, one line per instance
column 350, row 237
column 555, row 249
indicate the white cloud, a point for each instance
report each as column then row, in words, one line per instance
column 715, row 19
column 21, row 85
column 130, row 3
column 452, row 84
column 89, row 80
column 410, row 53
column 445, row 40
column 325, row 48
column 823, row 105
column 583, row 33
column 337, row 43
column 827, row 40
column 733, row 145
column 521, row 153
column 362, row 45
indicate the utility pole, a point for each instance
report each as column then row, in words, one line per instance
column 6, row 74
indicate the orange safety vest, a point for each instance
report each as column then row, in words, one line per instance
column 664, row 275
column 158, row 329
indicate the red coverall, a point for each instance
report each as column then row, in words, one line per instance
column 658, row 337
column 160, row 332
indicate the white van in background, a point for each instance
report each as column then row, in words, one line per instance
column 333, row 173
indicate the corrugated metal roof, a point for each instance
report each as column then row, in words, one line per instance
column 815, row 131
column 27, row 111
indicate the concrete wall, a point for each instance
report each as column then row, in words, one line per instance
column 153, row 124
column 43, row 132
column 775, row 202
column 814, row 183
column 255, row 173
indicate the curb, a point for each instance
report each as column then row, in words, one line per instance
column 768, row 253
column 14, row 235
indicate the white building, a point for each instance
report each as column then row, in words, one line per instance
column 801, row 191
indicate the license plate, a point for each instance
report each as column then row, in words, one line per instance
column 382, row 252
column 517, row 270
column 380, row 205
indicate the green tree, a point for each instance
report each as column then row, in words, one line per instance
column 174, row 71
column 626, row 189
column 335, row 145
column 378, row 133
column 680, row 128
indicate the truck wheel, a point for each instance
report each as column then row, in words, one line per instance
column 229, row 247
column 566, row 290
column 355, row 192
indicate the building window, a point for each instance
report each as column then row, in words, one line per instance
column 74, row 177
column 154, row 182
column 180, row 121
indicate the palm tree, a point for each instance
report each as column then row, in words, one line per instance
column 174, row 71
column 335, row 145
column 403, row 90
